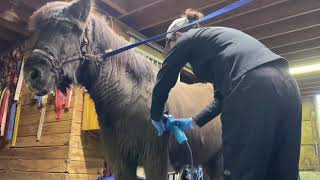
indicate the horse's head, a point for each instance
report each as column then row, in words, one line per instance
column 58, row 28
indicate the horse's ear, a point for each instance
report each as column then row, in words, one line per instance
column 80, row 9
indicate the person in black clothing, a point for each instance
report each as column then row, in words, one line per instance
column 258, row 99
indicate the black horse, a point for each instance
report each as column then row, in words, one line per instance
column 121, row 89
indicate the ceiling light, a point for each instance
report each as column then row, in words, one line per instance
column 305, row 69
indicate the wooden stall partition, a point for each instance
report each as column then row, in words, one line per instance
column 64, row 152
column 309, row 159
column 30, row 159
column 85, row 159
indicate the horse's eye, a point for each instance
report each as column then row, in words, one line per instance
column 66, row 29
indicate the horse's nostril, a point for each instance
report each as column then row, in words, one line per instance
column 35, row 74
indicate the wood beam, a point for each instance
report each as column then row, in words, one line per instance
column 119, row 5
column 135, row 8
column 269, row 13
column 139, row 3
column 303, row 54
column 213, row 7
column 309, row 84
column 311, row 88
column 165, row 10
column 305, row 44
column 308, row 78
column 309, row 93
column 292, row 36
column 286, row 24
column 295, row 14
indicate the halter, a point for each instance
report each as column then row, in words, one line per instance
column 57, row 63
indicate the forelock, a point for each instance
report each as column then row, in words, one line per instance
column 49, row 12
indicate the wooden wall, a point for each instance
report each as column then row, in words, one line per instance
column 64, row 151
column 85, row 159
column 310, row 137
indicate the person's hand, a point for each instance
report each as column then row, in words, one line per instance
column 159, row 126
column 183, row 123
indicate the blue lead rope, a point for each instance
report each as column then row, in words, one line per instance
column 219, row 12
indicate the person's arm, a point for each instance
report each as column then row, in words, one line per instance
column 167, row 77
column 211, row 111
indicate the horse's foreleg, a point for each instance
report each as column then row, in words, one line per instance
column 156, row 171
column 125, row 171
column 156, row 168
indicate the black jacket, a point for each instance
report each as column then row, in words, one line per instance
column 217, row 55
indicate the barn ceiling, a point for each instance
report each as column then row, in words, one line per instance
column 290, row 28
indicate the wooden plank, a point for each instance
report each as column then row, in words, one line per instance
column 307, row 96
column 161, row 26
column 78, row 98
column 85, row 142
column 85, row 167
column 76, row 129
column 39, row 165
column 310, row 85
column 27, row 97
column 46, row 140
column 79, row 154
column 33, row 119
column 77, row 117
column 29, row 100
column 309, row 175
column 25, row 90
column 305, row 44
column 136, row 6
column 290, row 23
column 305, row 78
column 269, row 13
column 302, row 54
column 309, row 93
column 311, row 88
column 21, row 175
column 142, row 20
column 292, row 37
column 308, row 110
column 308, row 158
column 58, row 127
column 82, row 176
column 32, row 109
column 54, row 152
column 307, row 133
column 119, row 5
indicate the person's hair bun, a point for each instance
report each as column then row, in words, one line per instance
column 192, row 15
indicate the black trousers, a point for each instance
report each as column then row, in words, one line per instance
column 261, row 121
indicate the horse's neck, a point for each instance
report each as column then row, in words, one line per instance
column 123, row 81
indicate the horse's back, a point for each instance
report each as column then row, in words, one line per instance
column 185, row 101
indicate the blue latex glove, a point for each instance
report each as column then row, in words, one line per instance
column 183, row 123
column 159, row 126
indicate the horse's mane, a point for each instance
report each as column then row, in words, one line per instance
column 103, row 38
